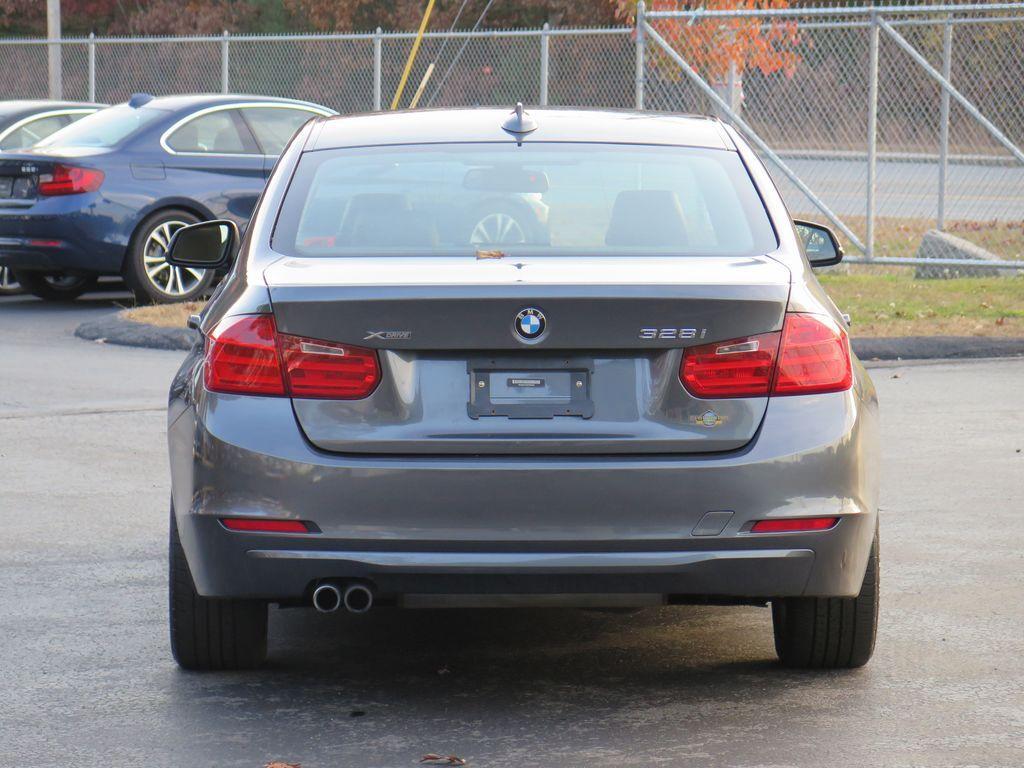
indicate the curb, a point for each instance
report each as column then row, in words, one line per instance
column 115, row 330
column 937, row 348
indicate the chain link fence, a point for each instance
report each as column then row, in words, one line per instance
column 859, row 116
column 855, row 127
column 348, row 72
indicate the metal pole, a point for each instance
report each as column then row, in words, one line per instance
column 962, row 100
column 869, row 240
column 92, row 66
column 641, row 26
column 732, row 83
column 423, row 85
column 53, row 49
column 377, row 68
column 545, row 53
column 947, row 64
column 412, row 55
column 225, row 64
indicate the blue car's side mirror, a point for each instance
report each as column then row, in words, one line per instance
column 206, row 245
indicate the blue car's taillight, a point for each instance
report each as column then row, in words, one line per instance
column 69, row 180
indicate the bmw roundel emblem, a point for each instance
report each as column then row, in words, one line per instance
column 530, row 323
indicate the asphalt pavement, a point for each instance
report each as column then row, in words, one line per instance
column 86, row 677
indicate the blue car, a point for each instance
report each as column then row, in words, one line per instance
column 22, row 124
column 104, row 195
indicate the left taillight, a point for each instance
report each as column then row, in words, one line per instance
column 811, row 355
column 247, row 355
column 69, row 180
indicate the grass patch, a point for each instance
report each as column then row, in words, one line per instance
column 164, row 315
column 881, row 301
column 899, row 305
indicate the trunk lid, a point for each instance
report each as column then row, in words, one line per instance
column 457, row 378
column 19, row 178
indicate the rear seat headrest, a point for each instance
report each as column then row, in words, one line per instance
column 650, row 218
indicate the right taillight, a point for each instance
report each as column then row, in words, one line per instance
column 736, row 368
column 810, row 355
column 814, row 356
column 246, row 355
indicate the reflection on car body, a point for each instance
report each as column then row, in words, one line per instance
column 104, row 195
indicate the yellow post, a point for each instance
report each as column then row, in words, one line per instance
column 412, row 55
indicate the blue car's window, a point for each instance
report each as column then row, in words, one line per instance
column 215, row 133
column 540, row 198
column 106, row 128
column 275, row 126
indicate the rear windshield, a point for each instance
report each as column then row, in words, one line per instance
column 540, row 198
column 106, row 128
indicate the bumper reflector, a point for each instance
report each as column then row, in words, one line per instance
column 264, row 525
column 794, row 524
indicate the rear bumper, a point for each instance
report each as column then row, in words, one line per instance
column 525, row 525
column 42, row 255
column 64, row 239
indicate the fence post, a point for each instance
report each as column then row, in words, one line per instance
column 947, row 65
column 869, row 239
column 640, row 25
column 225, row 63
column 54, row 50
column 545, row 42
column 377, row 68
column 92, row 66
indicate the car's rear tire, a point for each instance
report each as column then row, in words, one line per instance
column 829, row 632
column 148, row 275
column 54, row 286
column 207, row 633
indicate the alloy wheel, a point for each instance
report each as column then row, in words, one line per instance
column 497, row 229
column 171, row 281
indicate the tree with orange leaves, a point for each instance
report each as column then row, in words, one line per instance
column 721, row 49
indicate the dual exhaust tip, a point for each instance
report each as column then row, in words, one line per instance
column 355, row 598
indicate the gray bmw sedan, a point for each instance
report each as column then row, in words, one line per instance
column 554, row 358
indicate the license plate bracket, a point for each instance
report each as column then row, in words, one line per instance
column 515, row 388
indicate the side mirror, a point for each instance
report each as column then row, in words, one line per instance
column 206, row 245
column 820, row 244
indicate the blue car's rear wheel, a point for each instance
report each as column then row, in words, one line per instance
column 146, row 271
column 208, row 633
column 829, row 632
column 54, row 287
